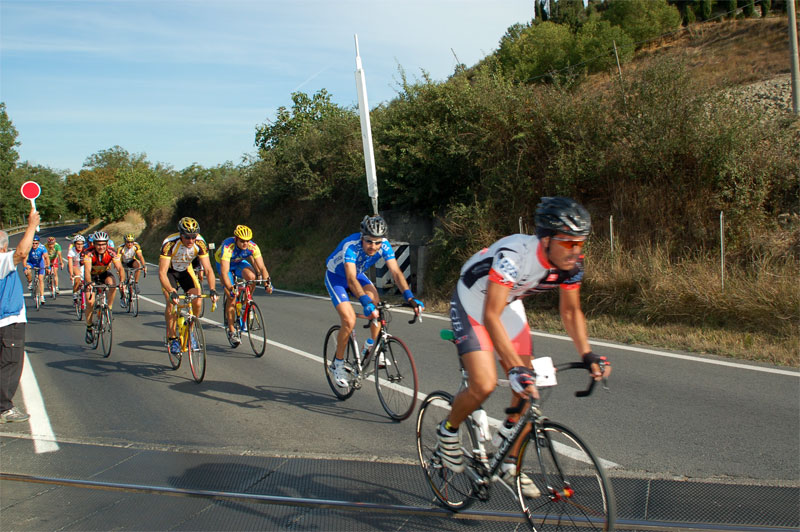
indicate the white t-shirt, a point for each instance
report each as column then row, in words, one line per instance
column 7, row 267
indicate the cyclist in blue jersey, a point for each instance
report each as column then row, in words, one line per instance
column 234, row 258
column 345, row 274
column 37, row 258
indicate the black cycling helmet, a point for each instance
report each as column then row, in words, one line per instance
column 374, row 226
column 188, row 225
column 562, row 215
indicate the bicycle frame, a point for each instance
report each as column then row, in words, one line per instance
column 363, row 370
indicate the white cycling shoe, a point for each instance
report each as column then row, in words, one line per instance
column 340, row 373
column 529, row 489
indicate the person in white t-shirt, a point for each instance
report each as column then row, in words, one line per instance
column 12, row 320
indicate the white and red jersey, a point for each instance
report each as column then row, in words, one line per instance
column 518, row 262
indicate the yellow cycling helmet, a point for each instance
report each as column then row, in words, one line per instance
column 243, row 232
column 130, row 237
column 188, row 225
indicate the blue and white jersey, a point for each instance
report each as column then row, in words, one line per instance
column 35, row 255
column 350, row 250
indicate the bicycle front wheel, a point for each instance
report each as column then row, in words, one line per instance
column 454, row 490
column 35, row 292
column 256, row 330
column 105, row 332
column 329, row 353
column 196, row 346
column 78, row 307
column 133, row 302
column 396, row 379
column 575, row 493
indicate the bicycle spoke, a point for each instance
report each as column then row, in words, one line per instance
column 575, row 492
column 396, row 379
column 196, row 345
column 453, row 490
column 256, row 331
column 329, row 352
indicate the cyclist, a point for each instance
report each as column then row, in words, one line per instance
column 37, row 258
column 175, row 270
column 54, row 255
column 130, row 254
column 488, row 317
column 233, row 260
column 97, row 262
column 75, row 264
column 344, row 273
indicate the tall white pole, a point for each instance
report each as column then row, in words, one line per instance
column 611, row 231
column 366, row 132
column 794, row 56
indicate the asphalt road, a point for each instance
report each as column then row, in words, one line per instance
column 689, row 417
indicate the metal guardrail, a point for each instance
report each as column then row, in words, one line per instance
column 19, row 228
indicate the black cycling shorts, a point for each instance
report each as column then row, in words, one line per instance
column 185, row 279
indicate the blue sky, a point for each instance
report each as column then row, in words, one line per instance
column 188, row 81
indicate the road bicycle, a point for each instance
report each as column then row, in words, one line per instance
column 129, row 295
column 35, row 286
column 191, row 337
column 51, row 281
column 79, row 303
column 389, row 363
column 248, row 317
column 574, row 491
column 102, row 332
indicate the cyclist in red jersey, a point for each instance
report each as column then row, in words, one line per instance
column 489, row 320
column 97, row 261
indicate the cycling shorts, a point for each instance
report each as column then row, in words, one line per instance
column 129, row 263
column 473, row 336
column 55, row 263
column 185, row 279
column 337, row 286
column 237, row 269
column 101, row 277
column 39, row 264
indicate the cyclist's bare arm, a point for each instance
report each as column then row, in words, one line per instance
column 264, row 273
column 163, row 268
column 352, row 282
column 212, row 280
column 224, row 270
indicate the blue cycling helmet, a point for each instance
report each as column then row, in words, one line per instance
column 35, row 238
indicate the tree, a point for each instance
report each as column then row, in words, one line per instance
column 595, row 42
column 8, row 144
column 139, row 189
column 643, row 19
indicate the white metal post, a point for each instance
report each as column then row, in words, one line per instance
column 722, row 247
column 611, row 231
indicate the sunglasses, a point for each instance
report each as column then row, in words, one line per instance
column 373, row 242
column 190, row 237
column 566, row 243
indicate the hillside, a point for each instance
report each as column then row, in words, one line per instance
column 749, row 58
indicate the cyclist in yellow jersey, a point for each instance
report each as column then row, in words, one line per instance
column 233, row 258
column 175, row 270
column 130, row 254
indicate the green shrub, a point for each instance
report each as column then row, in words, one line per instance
column 643, row 20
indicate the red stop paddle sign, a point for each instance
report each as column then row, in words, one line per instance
column 30, row 190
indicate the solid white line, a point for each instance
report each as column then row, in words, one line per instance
column 44, row 440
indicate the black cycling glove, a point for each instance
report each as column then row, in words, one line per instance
column 593, row 358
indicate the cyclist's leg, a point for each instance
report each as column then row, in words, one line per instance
column 28, row 270
column 136, row 264
column 192, row 285
column 109, row 280
column 337, row 289
column 90, row 304
column 41, row 277
column 169, row 310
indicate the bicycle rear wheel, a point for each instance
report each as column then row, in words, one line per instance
column 105, row 331
column 256, row 330
column 329, row 353
column 196, row 345
column 454, row 490
column 396, row 379
column 125, row 298
column 35, row 291
column 53, row 289
column 575, row 491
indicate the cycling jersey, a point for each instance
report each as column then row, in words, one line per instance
column 36, row 256
column 127, row 254
column 229, row 251
column 100, row 263
column 350, row 250
column 53, row 253
column 519, row 263
column 181, row 256
column 74, row 257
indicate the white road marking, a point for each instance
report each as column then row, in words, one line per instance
column 44, row 440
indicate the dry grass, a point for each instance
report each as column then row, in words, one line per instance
column 132, row 223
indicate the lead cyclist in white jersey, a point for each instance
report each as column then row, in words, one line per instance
column 488, row 317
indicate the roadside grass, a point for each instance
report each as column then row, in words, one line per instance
column 132, row 223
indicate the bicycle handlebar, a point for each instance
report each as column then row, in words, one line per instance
column 382, row 305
